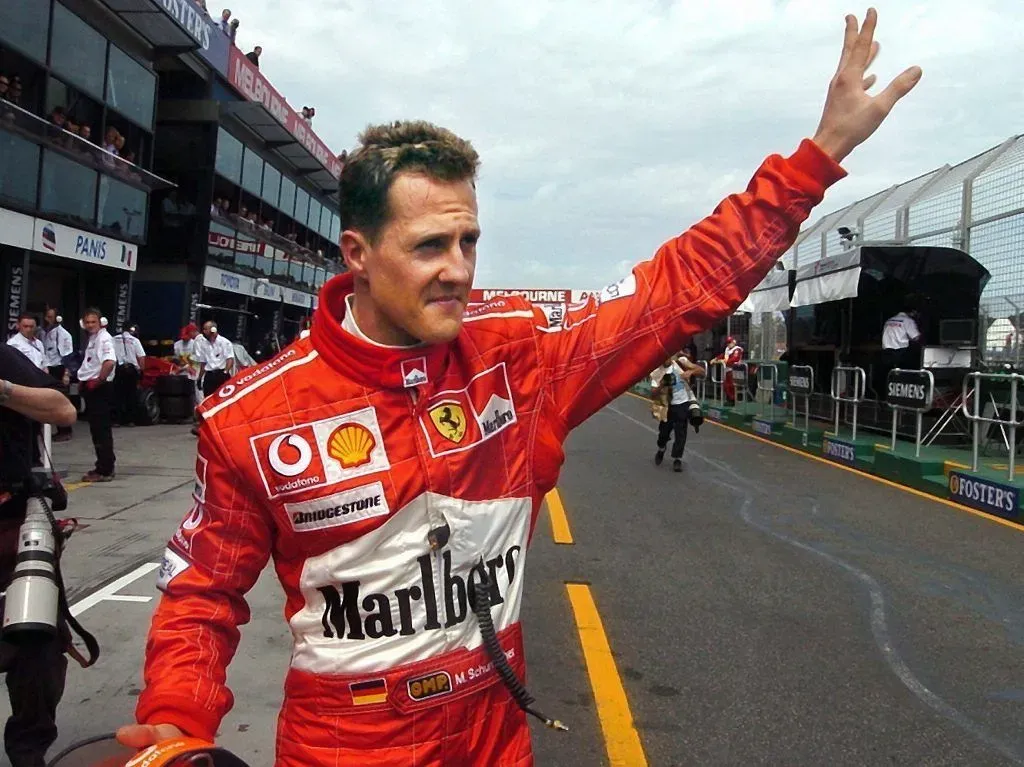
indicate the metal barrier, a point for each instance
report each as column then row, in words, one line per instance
column 773, row 383
column 859, row 377
column 47, row 446
column 740, row 377
column 717, row 384
column 700, row 387
column 977, row 418
column 919, row 410
column 802, row 373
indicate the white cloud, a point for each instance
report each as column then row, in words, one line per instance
column 606, row 127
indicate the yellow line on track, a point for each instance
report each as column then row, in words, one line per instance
column 76, row 485
column 919, row 493
column 559, row 522
column 621, row 738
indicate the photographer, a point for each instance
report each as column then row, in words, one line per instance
column 36, row 670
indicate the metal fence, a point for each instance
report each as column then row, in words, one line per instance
column 977, row 206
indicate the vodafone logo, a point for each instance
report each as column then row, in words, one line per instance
column 227, row 391
column 280, row 464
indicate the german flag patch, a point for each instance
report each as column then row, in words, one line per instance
column 369, row 692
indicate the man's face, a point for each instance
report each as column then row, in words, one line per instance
column 92, row 323
column 27, row 327
column 51, row 317
column 209, row 330
column 420, row 269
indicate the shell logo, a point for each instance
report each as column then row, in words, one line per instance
column 351, row 445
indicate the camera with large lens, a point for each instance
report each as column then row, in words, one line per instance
column 32, row 600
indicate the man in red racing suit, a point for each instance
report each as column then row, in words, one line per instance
column 339, row 457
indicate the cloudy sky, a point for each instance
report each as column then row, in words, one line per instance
column 607, row 127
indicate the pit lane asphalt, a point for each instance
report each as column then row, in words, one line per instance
column 764, row 608
column 761, row 608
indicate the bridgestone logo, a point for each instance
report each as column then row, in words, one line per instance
column 339, row 509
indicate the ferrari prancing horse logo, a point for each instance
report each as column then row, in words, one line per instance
column 450, row 420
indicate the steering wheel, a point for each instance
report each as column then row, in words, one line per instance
column 105, row 751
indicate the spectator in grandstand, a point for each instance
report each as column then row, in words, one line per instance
column 5, row 85
column 58, row 117
column 233, row 33
column 225, row 21
column 254, row 55
column 14, row 94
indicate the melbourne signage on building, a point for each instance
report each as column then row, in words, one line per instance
column 910, row 389
column 984, row 494
column 213, row 43
column 247, row 80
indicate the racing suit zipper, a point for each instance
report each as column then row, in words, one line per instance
column 439, row 529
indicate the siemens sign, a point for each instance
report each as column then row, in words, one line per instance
column 984, row 494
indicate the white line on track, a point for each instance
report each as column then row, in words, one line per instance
column 109, row 592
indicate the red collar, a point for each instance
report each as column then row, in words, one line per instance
column 365, row 363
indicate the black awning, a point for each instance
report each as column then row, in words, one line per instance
column 153, row 24
column 279, row 142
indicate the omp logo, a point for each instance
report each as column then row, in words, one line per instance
column 430, row 686
column 984, row 494
column 320, row 453
column 344, row 508
column 839, row 451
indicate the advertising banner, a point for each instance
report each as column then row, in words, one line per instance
column 984, row 494
column 910, row 389
column 221, row 279
column 15, row 270
column 214, row 45
column 68, row 242
column 247, row 80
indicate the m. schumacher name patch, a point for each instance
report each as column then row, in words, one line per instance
column 342, row 508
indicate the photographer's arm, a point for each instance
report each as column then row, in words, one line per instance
column 43, row 405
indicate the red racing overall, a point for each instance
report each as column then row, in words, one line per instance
column 337, row 457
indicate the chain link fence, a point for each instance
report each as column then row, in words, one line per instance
column 976, row 206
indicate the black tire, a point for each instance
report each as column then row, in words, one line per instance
column 174, row 386
column 148, row 409
column 176, row 409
